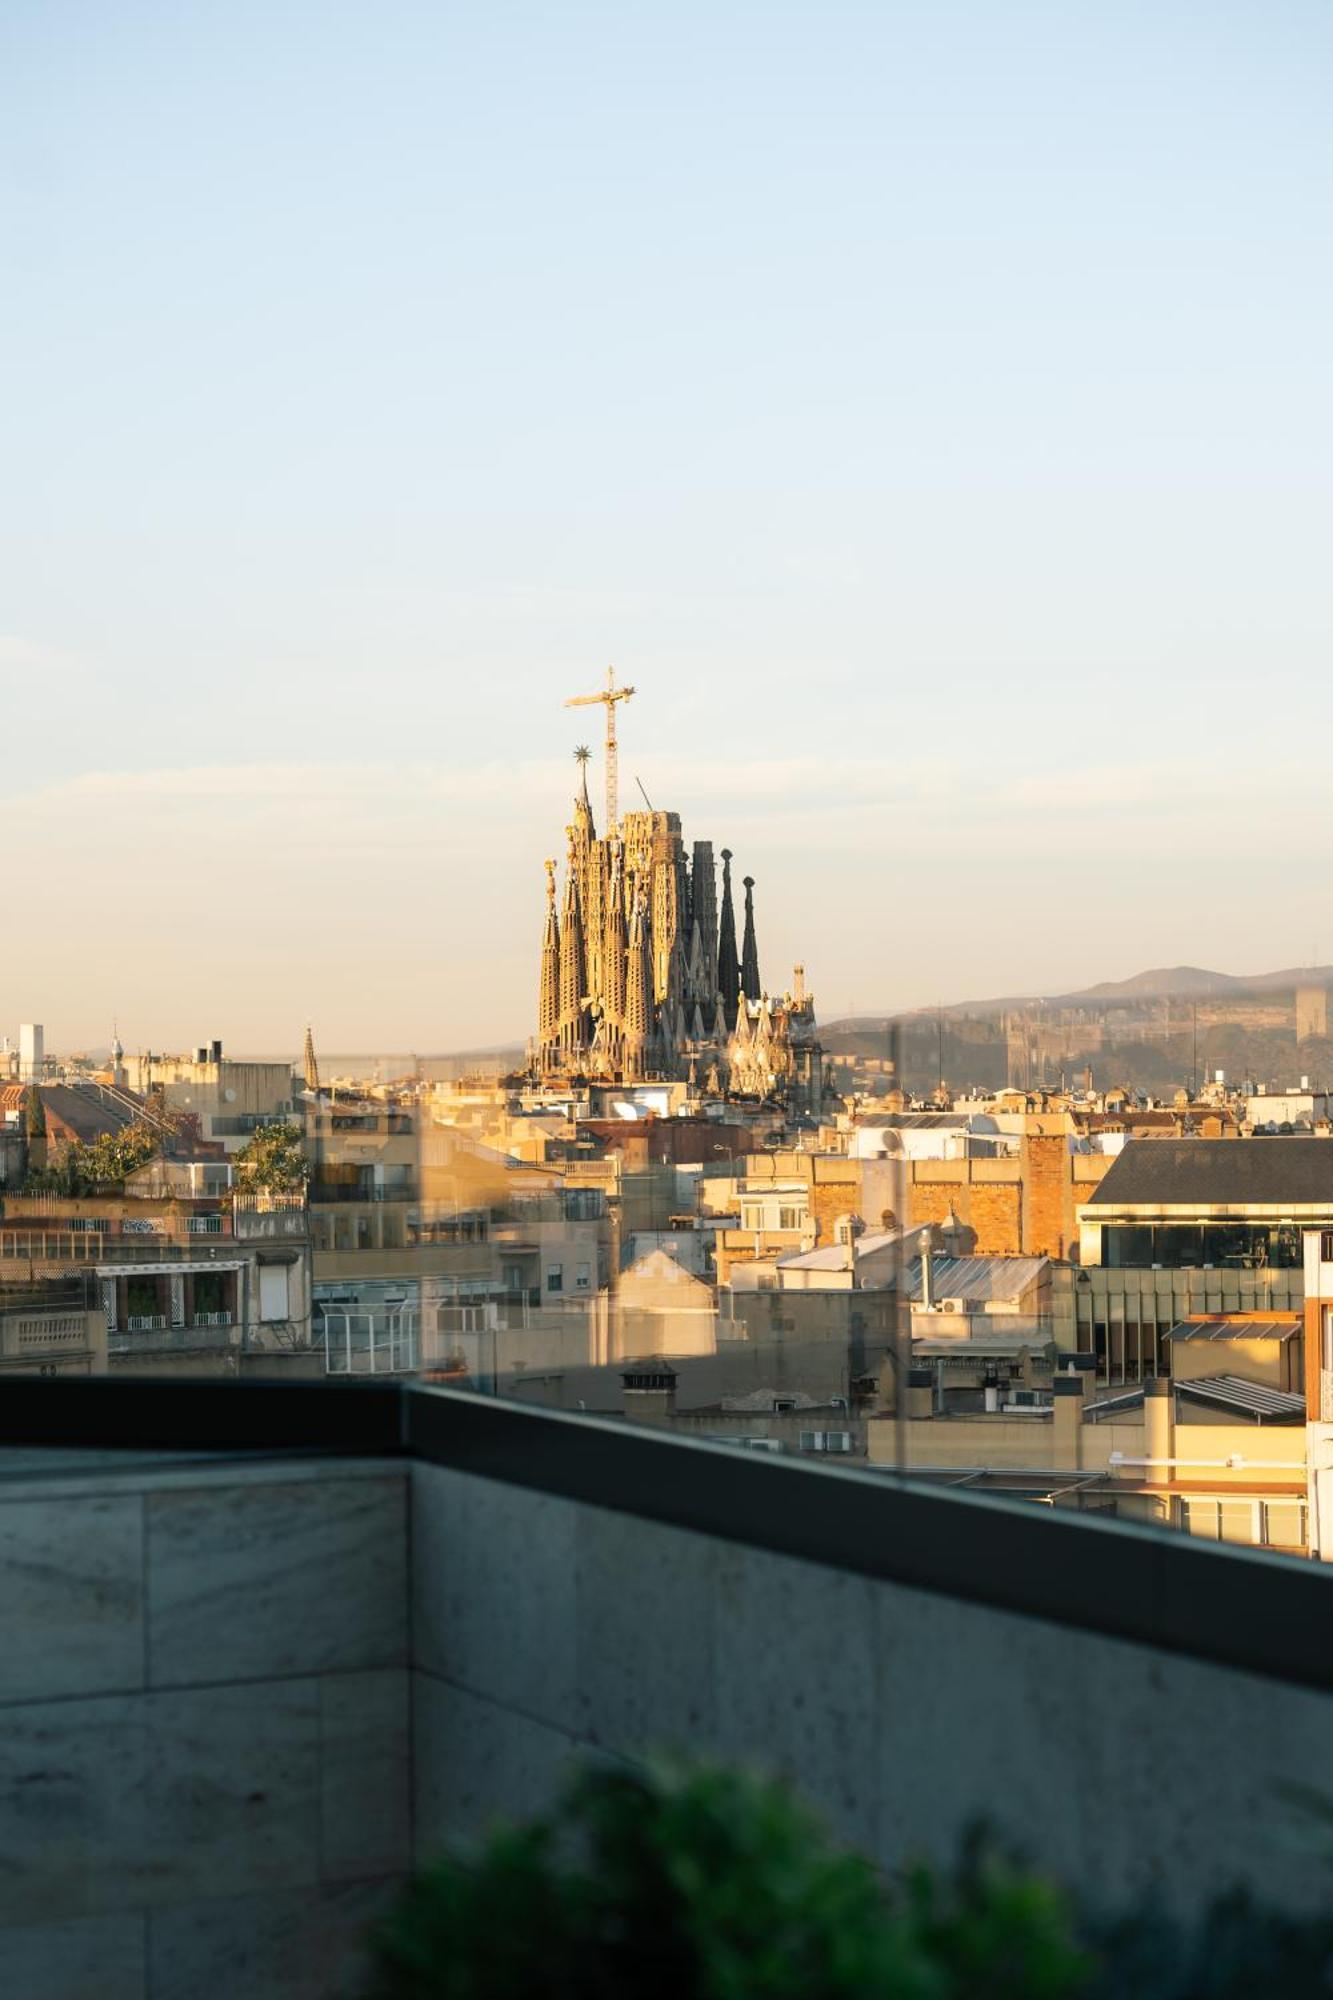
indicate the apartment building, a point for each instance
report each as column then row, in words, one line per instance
column 204, row 1284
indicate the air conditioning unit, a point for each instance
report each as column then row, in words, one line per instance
column 953, row 1305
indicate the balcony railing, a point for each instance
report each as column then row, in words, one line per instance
column 163, row 1338
column 212, row 1319
column 63, row 1246
column 146, row 1322
column 329, row 1194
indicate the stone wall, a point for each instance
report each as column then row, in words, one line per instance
column 985, row 1195
column 1024, row 1207
column 547, row 1630
column 203, row 1724
column 232, row 1707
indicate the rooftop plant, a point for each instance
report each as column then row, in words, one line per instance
column 711, row 1884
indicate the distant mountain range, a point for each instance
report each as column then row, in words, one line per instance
column 1173, row 982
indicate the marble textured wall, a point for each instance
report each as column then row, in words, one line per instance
column 204, row 1726
column 546, row 1631
column 236, row 1698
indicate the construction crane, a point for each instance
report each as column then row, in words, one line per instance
column 610, row 697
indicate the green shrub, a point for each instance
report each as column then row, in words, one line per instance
column 711, row 1884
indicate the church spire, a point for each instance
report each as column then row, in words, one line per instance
column 582, row 803
column 308, row 1063
column 703, row 910
column 614, row 947
column 638, row 993
column 548, row 1011
column 728, row 968
column 750, row 986
column 572, row 1025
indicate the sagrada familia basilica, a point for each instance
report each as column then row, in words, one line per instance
column 640, row 973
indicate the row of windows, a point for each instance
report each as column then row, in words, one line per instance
column 768, row 1215
column 1269, row 1524
column 1175, row 1246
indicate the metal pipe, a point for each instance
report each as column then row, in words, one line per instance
column 1235, row 1463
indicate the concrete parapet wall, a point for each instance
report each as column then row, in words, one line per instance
column 237, row 1696
column 548, row 1630
column 204, row 1725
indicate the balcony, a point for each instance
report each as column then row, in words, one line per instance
column 266, row 1645
column 164, row 1339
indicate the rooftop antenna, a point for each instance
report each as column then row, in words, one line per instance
column 609, row 698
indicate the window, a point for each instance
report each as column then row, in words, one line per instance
column 1284, row 1525
column 273, row 1300
column 583, row 1277
column 555, row 1277
column 790, row 1218
column 1099, row 1348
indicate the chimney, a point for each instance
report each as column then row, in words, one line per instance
column 1158, row 1428
column 920, row 1392
column 1067, row 1423
column 650, row 1390
column 991, row 1392
column 926, row 1241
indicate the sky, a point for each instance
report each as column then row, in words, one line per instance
column 926, row 407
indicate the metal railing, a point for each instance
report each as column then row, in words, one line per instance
column 161, row 1337
column 72, row 1246
column 329, row 1194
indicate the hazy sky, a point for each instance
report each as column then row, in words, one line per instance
column 926, row 406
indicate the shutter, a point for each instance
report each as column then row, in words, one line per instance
column 273, row 1292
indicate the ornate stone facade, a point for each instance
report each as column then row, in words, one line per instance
column 641, row 977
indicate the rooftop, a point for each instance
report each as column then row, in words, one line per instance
column 978, row 1280
column 1252, row 1399
column 1236, row 1327
column 1219, row 1173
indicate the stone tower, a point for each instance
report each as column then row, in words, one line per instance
column 548, row 1004
column 728, row 964
column 641, row 977
column 573, row 1036
column 750, row 986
